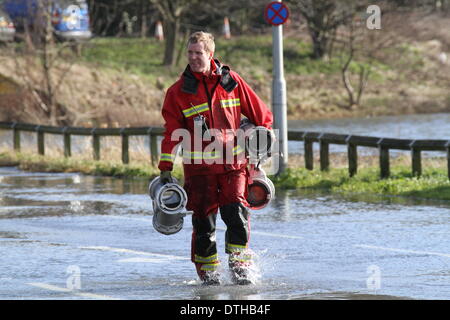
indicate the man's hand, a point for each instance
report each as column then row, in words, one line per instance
column 165, row 177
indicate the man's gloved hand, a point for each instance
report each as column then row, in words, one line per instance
column 165, row 177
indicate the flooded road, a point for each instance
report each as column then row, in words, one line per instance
column 69, row 236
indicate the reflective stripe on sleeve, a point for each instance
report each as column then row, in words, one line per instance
column 167, row 157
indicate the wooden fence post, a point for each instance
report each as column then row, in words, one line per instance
column 384, row 162
column 67, row 143
column 324, row 155
column 125, row 144
column 153, row 146
column 40, row 140
column 95, row 145
column 448, row 158
column 154, row 149
column 352, row 154
column 309, row 155
column 416, row 162
column 16, row 137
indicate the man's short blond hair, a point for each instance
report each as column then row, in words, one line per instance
column 205, row 37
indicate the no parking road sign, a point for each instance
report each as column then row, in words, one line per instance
column 276, row 13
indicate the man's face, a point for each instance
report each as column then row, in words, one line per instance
column 199, row 59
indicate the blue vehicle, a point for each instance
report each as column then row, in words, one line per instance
column 70, row 18
column 7, row 28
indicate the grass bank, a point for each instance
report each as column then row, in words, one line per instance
column 433, row 184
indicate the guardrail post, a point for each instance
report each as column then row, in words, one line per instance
column 384, row 162
column 125, row 144
column 67, row 143
column 40, row 141
column 447, row 145
column 16, row 137
column 352, row 154
column 309, row 155
column 153, row 140
column 324, row 156
column 95, row 144
column 416, row 162
column 352, row 159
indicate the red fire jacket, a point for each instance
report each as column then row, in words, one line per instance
column 220, row 98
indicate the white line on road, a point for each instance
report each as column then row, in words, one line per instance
column 403, row 250
column 66, row 290
column 139, row 259
column 121, row 250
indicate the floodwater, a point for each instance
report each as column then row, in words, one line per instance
column 70, row 236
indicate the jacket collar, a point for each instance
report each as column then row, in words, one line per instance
column 191, row 79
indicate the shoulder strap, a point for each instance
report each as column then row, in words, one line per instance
column 227, row 82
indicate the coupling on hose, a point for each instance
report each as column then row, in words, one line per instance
column 169, row 205
column 259, row 141
column 259, row 145
column 260, row 188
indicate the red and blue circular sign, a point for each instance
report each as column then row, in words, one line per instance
column 276, row 13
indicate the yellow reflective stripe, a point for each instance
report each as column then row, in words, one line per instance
column 230, row 103
column 210, row 266
column 201, row 155
column 235, row 247
column 212, row 259
column 167, row 157
column 240, row 257
column 196, row 109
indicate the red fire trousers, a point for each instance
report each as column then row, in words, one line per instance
column 206, row 194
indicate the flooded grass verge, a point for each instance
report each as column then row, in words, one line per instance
column 432, row 184
column 36, row 163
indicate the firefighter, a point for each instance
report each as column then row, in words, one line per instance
column 207, row 101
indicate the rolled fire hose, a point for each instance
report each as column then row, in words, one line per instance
column 260, row 189
column 169, row 206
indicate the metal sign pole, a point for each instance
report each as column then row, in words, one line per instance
column 279, row 105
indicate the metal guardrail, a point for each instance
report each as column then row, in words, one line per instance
column 384, row 145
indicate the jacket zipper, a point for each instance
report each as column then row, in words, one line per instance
column 210, row 95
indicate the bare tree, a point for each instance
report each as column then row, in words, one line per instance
column 172, row 12
column 362, row 47
column 41, row 67
column 323, row 17
column 354, row 96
